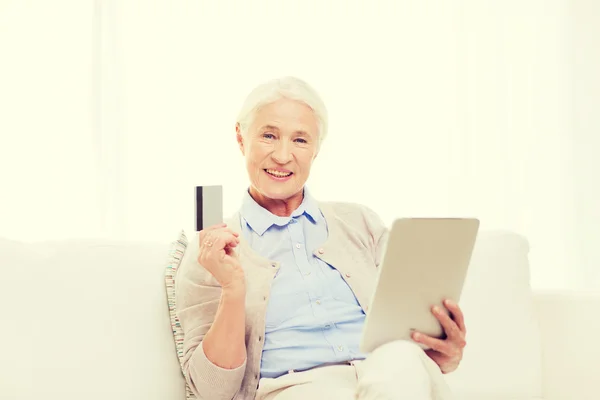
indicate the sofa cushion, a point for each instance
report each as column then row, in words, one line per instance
column 100, row 326
column 503, row 353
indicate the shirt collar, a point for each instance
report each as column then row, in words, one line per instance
column 260, row 219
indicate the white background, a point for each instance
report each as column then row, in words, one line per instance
column 111, row 112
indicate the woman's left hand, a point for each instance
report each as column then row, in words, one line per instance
column 446, row 353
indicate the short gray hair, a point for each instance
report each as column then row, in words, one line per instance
column 287, row 87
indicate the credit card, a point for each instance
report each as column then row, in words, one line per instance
column 209, row 206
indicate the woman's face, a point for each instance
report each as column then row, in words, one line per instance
column 280, row 146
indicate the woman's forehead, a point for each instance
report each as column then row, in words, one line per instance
column 286, row 115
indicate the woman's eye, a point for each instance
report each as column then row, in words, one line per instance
column 268, row 136
column 301, row 140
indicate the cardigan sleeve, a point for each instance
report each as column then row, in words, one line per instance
column 378, row 233
column 197, row 299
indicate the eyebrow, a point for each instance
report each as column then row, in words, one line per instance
column 269, row 128
column 274, row 128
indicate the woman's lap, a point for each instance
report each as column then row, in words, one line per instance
column 398, row 370
column 320, row 383
column 315, row 391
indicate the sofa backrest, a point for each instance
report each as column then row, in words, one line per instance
column 503, row 353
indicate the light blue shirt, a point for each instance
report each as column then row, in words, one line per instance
column 312, row 316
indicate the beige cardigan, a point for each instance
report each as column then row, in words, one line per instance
column 354, row 247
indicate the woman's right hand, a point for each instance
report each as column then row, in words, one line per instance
column 218, row 257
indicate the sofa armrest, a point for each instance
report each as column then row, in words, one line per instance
column 570, row 330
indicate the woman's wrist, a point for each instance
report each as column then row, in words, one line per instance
column 234, row 291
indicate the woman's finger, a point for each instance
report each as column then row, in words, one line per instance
column 452, row 330
column 216, row 226
column 219, row 240
column 228, row 230
column 204, row 231
column 436, row 344
column 207, row 240
column 457, row 314
column 203, row 249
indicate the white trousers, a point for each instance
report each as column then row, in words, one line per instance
column 395, row 371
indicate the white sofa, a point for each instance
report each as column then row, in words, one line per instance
column 87, row 319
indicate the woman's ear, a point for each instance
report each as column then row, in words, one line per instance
column 239, row 137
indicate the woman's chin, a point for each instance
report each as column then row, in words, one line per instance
column 279, row 191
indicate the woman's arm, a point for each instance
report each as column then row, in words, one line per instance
column 224, row 343
column 213, row 322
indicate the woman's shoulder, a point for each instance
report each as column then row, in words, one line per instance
column 354, row 214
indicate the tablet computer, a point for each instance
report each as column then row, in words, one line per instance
column 425, row 261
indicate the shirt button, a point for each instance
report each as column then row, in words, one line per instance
column 307, row 273
column 298, row 245
column 340, row 348
column 318, row 301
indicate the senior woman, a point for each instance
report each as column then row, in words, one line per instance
column 272, row 303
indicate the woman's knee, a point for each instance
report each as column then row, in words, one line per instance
column 394, row 369
column 399, row 349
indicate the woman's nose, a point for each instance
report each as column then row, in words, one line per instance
column 282, row 153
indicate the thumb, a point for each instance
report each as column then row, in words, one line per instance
column 230, row 251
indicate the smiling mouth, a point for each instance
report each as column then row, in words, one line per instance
column 278, row 174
